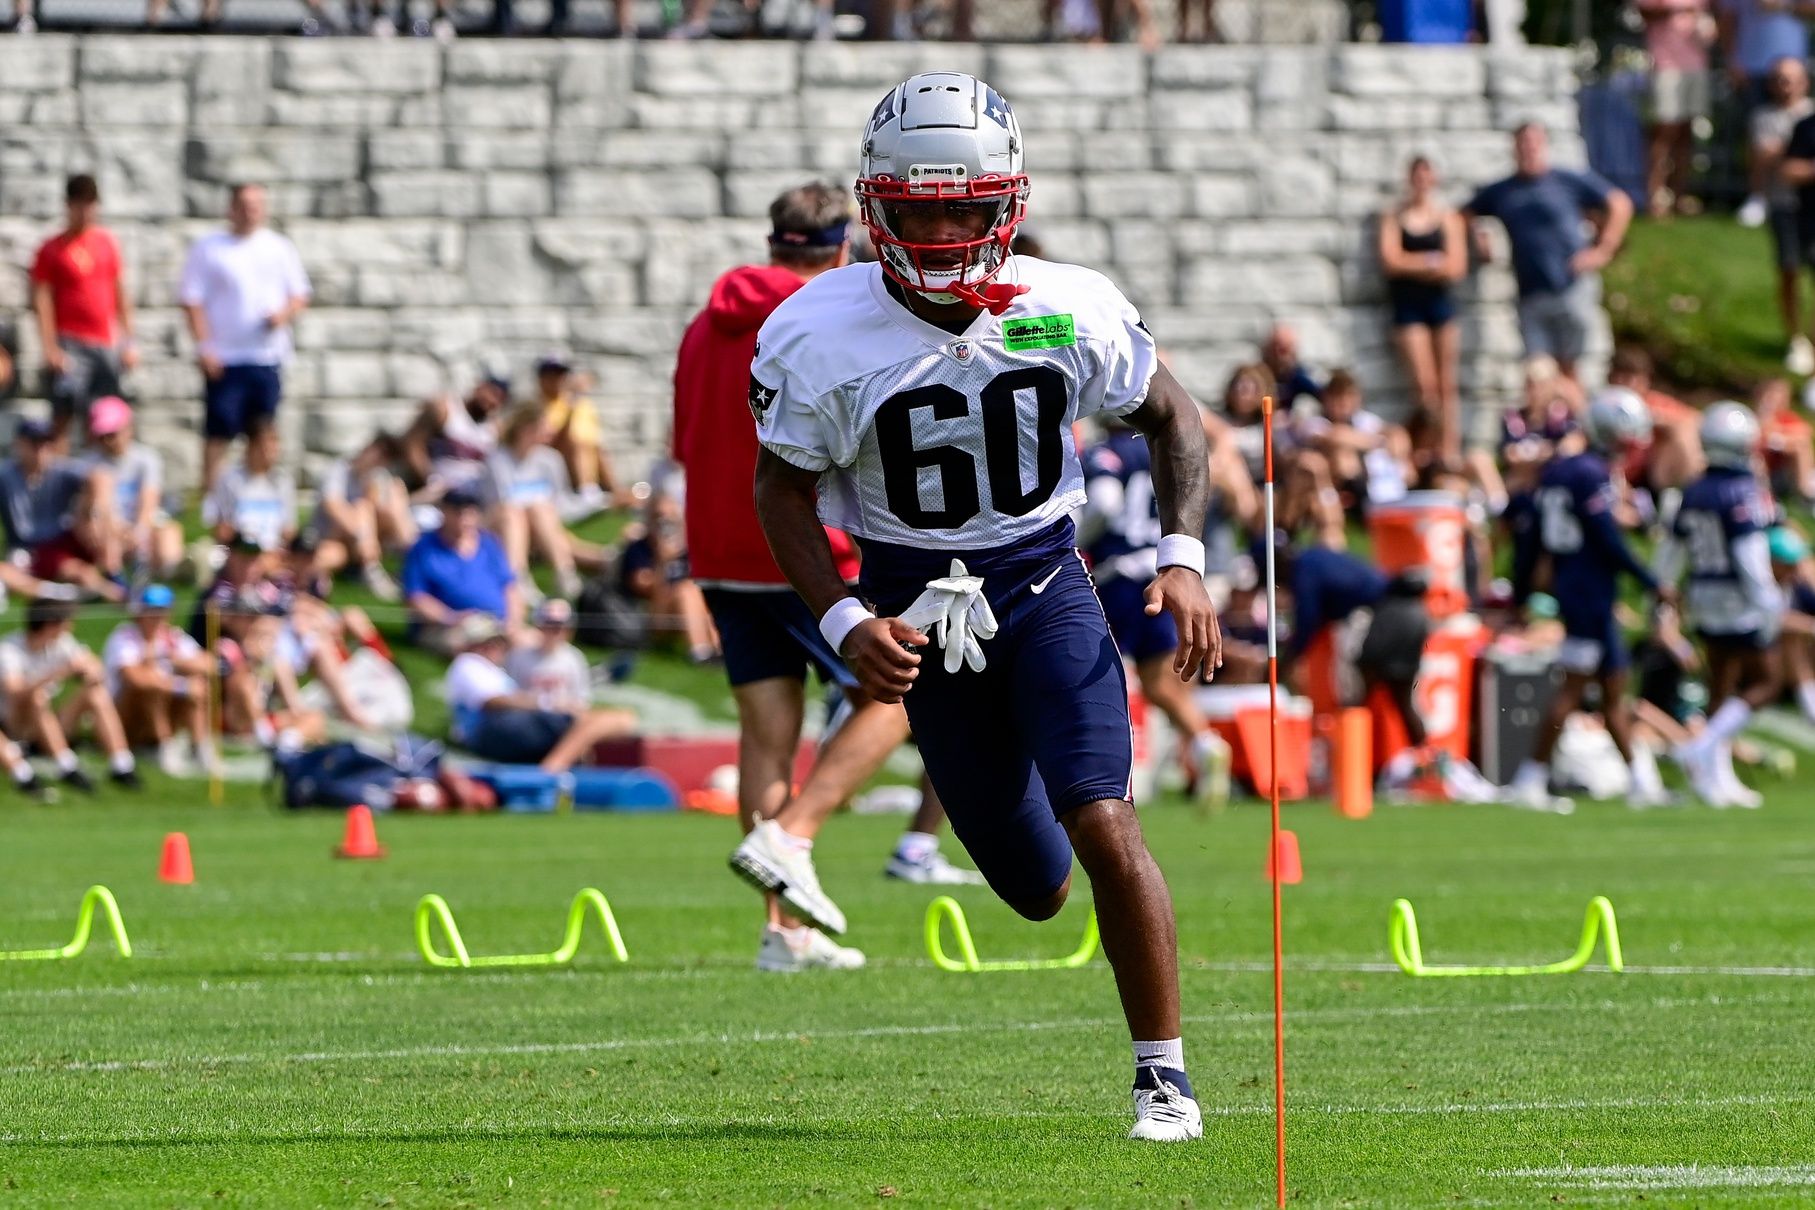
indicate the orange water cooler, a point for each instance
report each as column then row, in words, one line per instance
column 1428, row 530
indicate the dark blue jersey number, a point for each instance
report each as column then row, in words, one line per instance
column 902, row 461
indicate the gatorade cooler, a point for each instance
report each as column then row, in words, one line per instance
column 1444, row 694
column 1429, row 530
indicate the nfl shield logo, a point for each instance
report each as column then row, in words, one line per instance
column 961, row 349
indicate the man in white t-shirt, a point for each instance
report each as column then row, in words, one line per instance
column 255, row 498
column 241, row 290
column 156, row 677
column 501, row 721
column 550, row 666
column 35, row 665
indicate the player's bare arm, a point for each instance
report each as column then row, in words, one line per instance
column 1172, row 424
column 786, row 503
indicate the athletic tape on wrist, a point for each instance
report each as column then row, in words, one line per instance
column 1182, row 550
column 841, row 619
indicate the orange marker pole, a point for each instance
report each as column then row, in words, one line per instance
column 1273, row 844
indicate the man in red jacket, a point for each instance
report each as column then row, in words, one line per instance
column 769, row 636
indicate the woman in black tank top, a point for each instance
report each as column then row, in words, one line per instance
column 1424, row 252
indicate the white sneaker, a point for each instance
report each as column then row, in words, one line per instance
column 1754, row 212
column 1801, row 358
column 1163, row 1114
column 1213, row 757
column 1697, row 765
column 932, row 869
column 1653, row 796
column 173, row 758
column 379, row 583
column 769, row 863
column 1737, row 793
column 1535, row 796
column 804, row 949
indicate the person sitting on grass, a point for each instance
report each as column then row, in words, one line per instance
column 446, row 445
column 550, row 666
column 255, row 498
column 1370, row 460
column 528, row 482
column 458, row 571
column 34, row 668
column 157, row 677
column 576, row 432
column 653, row 569
column 148, row 535
column 499, row 720
column 56, row 510
column 260, row 699
column 362, row 511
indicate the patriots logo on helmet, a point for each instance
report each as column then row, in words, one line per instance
column 762, row 398
column 995, row 106
column 885, row 112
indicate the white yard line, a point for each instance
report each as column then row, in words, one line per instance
column 1666, row 1176
column 758, row 1037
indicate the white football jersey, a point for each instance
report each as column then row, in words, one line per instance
column 944, row 441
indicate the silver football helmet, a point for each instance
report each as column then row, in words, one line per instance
column 1729, row 435
column 1617, row 416
column 945, row 147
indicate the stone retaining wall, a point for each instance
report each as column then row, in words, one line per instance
column 491, row 199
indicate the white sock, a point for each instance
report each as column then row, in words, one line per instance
column 121, row 762
column 1402, row 765
column 66, row 761
column 1169, row 1054
column 1727, row 722
column 1723, row 765
column 23, row 773
column 916, row 847
column 1531, row 773
column 1204, row 743
column 1645, row 779
column 1805, row 696
column 798, row 843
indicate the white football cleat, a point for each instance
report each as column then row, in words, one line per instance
column 1535, row 796
column 769, row 863
column 804, row 949
column 1163, row 1113
column 1735, row 791
column 1754, row 212
column 932, row 869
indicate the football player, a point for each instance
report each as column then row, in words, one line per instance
column 1732, row 597
column 924, row 405
column 1574, row 527
column 1122, row 515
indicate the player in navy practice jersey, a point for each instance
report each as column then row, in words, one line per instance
column 1575, row 529
column 924, row 405
column 1732, row 597
column 1123, row 517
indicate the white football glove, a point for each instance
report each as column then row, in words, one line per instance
column 959, row 614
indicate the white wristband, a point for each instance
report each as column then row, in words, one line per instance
column 1182, row 550
column 841, row 620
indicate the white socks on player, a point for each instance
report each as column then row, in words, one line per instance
column 1169, row 1054
column 1645, row 779
column 121, row 762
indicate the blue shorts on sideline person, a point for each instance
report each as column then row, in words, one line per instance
column 768, row 633
column 517, row 737
column 241, row 394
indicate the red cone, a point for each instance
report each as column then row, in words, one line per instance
column 361, row 840
column 175, row 867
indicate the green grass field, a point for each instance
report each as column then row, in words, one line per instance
column 276, row 1042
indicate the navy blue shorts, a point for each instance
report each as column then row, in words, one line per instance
column 239, row 395
column 1593, row 645
column 1140, row 637
column 1418, row 309
column 770, row 632
column 1741, row 642
column 517, row 737
column 1041, row 731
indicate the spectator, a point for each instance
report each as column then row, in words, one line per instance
column 260, row 697
column 255, row 498
column 56, row 511
column 35, row 666
column 1796, row 171
column 1557, row 268
column 574, row 431
column 694, row 24
column 456, row 571
column 84, row 312
column 1673, row 456
column 1772, row 125
column 1370, row 460
column 501, row 721
column 653, row 569
column 550, row 666
column 9, row 371
column 1291, row 381
column 1098, row 21
column 148, row 534
column 157, row 677
column 362, row 510
column 1241, row 417
column 1755, row 35
column 1424, row 250
column 1786, row 441
column 1545, row 425
column 1206, row 29
column 528, row 484
column 1677, row 36
column 241, row 290
column 448, row 442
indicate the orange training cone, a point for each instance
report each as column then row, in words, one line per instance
column 1291, row 873
column 361, row 840
column 1353, row 756
column 175, row 867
